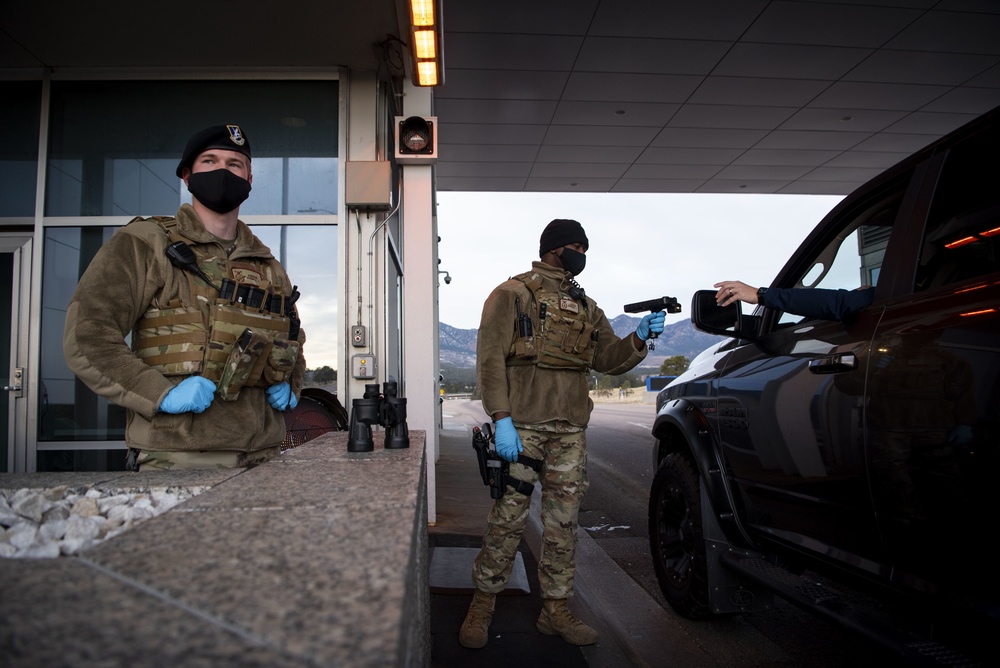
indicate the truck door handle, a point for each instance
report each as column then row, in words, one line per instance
column 838, row 363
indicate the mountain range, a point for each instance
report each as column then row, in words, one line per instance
column 458, row 346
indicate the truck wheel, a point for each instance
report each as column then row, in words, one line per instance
column 675, row 537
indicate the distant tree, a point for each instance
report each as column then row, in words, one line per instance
column 459, row 380
column 632, row 379
column 674, row 366
column 324, row 375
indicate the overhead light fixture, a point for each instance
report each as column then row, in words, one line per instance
column 425, row 36
column 423, row 42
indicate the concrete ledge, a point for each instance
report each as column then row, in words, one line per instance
column 316, row 558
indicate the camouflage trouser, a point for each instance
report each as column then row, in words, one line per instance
column 164, row 460
column 563, row 482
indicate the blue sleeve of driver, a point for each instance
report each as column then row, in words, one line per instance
column 819, row 302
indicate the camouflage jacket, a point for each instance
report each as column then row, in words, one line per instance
column 130, row 275
column 534, row 394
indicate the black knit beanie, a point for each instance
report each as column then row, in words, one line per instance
column 562, row 232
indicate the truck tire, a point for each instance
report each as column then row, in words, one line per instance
column 675, row 537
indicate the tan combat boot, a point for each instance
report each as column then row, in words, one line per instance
column 557, row 620
column 476, row 626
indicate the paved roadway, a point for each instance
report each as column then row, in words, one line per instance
column 614, row 514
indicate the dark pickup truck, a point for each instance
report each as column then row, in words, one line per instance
column 851, row 466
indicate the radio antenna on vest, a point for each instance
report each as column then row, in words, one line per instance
column 577, row 293
column 182, row 257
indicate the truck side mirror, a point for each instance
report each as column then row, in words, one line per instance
column 709, row 317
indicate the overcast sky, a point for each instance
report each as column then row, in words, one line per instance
column 642, row 246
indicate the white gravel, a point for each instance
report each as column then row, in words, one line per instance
column 62, row 521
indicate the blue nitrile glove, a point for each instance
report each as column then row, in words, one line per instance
column 281, row 397
column 651, row 323
column 507, row 439
column 192, row 395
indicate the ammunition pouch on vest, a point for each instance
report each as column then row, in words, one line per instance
column 201, row 337
column 562, row 338
column 273, row 358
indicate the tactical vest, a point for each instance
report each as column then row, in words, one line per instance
column 561, row 337
column 209, row 336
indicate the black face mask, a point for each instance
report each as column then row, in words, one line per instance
column 220, row 190
column 573, row 261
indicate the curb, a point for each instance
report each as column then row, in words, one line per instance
column 639, row 630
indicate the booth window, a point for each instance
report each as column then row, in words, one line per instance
column 114, row 145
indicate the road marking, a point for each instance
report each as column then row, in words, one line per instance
column 640, row 424
column 610, row 528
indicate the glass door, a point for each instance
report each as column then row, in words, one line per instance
column 15, row 272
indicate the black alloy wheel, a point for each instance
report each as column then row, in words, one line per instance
column 676, row 539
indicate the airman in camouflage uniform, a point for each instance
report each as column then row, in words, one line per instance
column 537, row 379
column 185, row 331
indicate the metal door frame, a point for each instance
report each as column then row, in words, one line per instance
column 20, row 246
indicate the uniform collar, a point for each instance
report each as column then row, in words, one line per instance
column 548, row 271
column 247, row 244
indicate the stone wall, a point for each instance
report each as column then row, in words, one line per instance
column 316, row 558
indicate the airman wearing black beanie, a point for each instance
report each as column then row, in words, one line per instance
column 562, row 232
column 540, row 336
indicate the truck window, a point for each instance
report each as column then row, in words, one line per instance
column 962, row 238
column 853, row 256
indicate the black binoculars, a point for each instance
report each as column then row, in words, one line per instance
column 386, row 410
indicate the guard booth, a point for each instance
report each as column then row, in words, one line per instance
column 344, row 143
